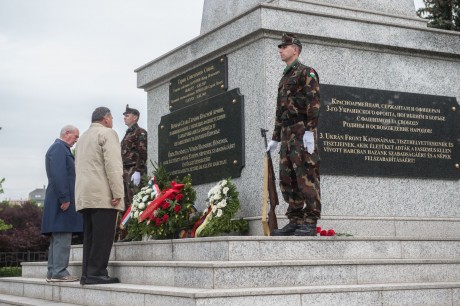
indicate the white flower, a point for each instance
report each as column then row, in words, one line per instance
column 219, row 212
column 145, row 198
column 141, row 206
column 214, row 208
column 136, row 215
column 216, row 197
column 149, row 190
column 223, row 183
column 223, row 203
column 134, row 208
column 225, row 190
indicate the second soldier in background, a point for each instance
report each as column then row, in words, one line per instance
column 134, row 155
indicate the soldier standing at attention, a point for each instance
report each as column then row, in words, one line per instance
column 297, row 112
column 134, row 156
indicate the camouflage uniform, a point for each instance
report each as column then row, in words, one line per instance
column 297, row 111
column 134, row 155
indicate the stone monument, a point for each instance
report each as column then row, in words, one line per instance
column 390, row 112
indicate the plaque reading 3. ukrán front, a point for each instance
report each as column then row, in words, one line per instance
column 201, row 83
column 371, row 132
column 205, row 139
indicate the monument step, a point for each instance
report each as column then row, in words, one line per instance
column 261, row 248
column 443, row 293
column 10, row 300
column 256, row 274
column 368, row 226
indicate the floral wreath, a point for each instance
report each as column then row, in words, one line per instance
column 161, row 214
column 223, row 203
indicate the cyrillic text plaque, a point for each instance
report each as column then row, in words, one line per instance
column 199, row 84
column 371, row 132
column 205, row 139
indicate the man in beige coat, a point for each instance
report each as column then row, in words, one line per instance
column 98, row 194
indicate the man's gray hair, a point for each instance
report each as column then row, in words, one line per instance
column 67, row 128
column 99, row 114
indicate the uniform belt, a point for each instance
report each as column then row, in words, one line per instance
column 294, row 120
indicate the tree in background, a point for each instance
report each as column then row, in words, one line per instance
column 3, row 225
column 443, row 14
column 24, row 235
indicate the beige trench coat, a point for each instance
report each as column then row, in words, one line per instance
column 99, row 169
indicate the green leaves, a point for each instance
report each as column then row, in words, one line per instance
column 443, row 14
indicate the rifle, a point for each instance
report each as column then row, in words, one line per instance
column 270, row 186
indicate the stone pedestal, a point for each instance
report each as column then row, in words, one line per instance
column 368, row 44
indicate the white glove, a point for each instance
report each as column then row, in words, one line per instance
column 272, row 145
column 309, row 141
column 136, row 178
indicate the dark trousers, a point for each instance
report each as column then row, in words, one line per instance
column 99, row 229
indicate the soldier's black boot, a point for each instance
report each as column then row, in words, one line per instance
column 305, row 230
column 287, row 230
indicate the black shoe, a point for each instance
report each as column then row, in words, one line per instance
column 305, row 230
column 287, row 230
column 94, row 280
column 127, row 239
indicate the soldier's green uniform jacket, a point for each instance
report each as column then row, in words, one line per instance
column 298, row 98
column 134, row 150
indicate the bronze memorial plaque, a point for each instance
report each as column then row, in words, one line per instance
column 370, row 132
column 199, row 84
column 205, row 139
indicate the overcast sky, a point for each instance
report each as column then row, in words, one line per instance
column 60, row 59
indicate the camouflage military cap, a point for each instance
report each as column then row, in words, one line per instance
column 131, row 111
column 289, row 39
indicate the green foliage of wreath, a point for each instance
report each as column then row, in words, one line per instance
column 224, row 203
column 174, row 214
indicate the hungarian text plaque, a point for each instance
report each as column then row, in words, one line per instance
column 199, row 84
column 205, row 139
column 385, row 133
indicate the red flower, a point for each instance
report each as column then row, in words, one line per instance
column 179, row 197
column 158, row 222
column 177, row 209
column 323, row 233
column 165, row 205
column 330, row 232
column 318, row 229
column 165, row 218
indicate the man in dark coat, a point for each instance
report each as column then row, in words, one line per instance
column 60, row 219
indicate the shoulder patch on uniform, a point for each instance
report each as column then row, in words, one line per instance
column 312, row 73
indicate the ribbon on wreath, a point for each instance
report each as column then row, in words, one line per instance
column 202, row 222
column 126, row 217
column 148, row 212
column 153, row 184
